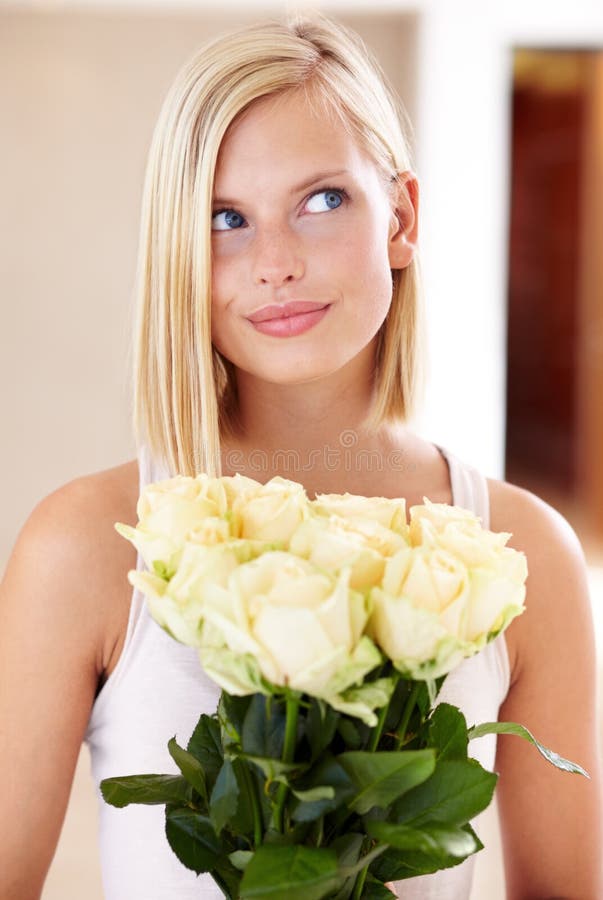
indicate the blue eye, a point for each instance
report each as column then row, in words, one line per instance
column 226, row 220
column 322, row 201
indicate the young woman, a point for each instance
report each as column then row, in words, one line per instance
column 278, row 333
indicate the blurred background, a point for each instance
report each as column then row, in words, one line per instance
column 507, row 106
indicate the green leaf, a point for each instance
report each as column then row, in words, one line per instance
column 224, row 797
column 375, row 890
column 295, row 872
column 231, row 715
column 432, row 839
column 241, row 821
column 263, row 729
column 448, row 732
column 360, row 701
column 456, row 792
column 237, row 673
column 380, row 778
column 227, row 877
column 326, row 772
column 147, row 789
column 351, row 733
column 397, row 865
column 513, row 728
column 190, row 767
column 364, row 861
column 240, row 859
column 293, row 836
column 347, row 847
column 324, row 792
column 273, row 769
column 192, row 838
column 206, row 746
column 320, row 725
column 397, row 703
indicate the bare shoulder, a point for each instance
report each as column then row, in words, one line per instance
column 73, row 526
column 537, row 528
column 84, row 502
column 63, row 608
column 557, row 584
column 69, row 547
column 510, row 503
column 549, row 819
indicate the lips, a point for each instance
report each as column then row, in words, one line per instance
column 285, row 310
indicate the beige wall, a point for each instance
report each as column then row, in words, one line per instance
column 79, row 94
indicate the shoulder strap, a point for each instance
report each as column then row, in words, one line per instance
column 469, row 487
column 149, row 469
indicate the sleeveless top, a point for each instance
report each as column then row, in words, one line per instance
column 158, row 689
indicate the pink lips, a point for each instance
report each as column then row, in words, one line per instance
column 289, row 319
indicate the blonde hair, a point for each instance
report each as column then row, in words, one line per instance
column 184, row 390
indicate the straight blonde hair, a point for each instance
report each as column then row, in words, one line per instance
column 185, row 399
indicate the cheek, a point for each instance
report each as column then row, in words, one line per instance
column 365, row 257
column 365, row 240
column 371, row 290
column 223, row 281
column 219, row 293
column 227, row 254
column 220, row 269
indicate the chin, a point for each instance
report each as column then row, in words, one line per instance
column 296, row 372
column 298, row 375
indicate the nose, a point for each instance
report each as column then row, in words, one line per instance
column 277, row 259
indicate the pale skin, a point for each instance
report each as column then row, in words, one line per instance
column 65, row 598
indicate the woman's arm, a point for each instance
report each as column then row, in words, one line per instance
column 54, row 644
column 551, row 821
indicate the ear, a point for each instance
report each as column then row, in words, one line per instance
column 404, row 220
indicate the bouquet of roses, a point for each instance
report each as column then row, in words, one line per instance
column 327, row 770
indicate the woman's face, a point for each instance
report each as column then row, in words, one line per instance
column 301, row 216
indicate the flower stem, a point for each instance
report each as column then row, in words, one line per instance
column 292, row 709
column 408, row 708
column 378, row 729
column 359, row 884
column 254, row 801
column 377, row 850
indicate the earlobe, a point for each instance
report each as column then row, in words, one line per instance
column 404, row 221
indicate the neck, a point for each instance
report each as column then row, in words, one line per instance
column 315, row 429
column 306, row 413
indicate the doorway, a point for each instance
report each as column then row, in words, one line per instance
column 554, row 429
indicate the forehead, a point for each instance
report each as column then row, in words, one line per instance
column 277, row 136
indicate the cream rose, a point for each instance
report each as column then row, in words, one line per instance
column 443, row 600
column 334, row 543
column 177, row 604
column 455, row 529
column 302, row 626
column 271, row 512
column 497, row 594
column 419, row 609
column 441, row 514
column 169, row 511
column 498, row 572
column 239, row 486
column 389, row 513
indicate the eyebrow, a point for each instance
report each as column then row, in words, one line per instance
column 296, row 189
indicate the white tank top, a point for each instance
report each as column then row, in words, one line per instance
column 158, row 689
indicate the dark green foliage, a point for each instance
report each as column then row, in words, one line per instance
column 148, row 789
column 283, row 798
column 192, row 838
